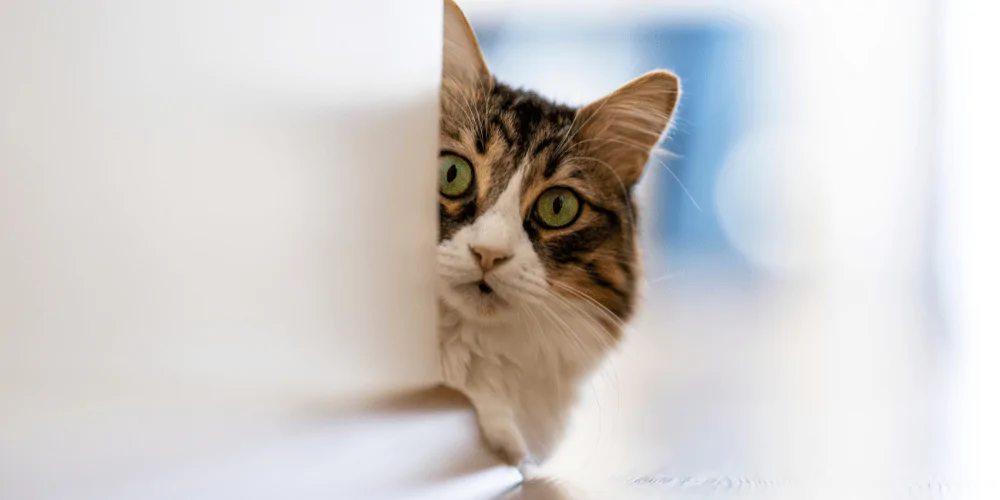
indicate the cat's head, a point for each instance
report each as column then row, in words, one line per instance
column 536, row 202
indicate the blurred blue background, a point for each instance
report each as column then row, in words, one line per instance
column 787, row 231
column 711, row 58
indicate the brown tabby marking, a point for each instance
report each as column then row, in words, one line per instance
column 500, row 129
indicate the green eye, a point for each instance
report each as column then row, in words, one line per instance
column 557, row 207
column 455, row 175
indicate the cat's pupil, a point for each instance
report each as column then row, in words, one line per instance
column 557, row 205
column 452, row 173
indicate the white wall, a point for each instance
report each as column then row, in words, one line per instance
column 210, row 213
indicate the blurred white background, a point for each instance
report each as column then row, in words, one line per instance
column 819, row 240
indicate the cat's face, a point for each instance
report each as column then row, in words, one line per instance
column 525, row 215
column 536, row 198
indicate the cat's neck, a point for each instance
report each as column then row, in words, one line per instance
column 530, row 334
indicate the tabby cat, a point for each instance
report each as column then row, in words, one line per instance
column 538, row 263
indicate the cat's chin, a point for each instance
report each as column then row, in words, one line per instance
column 474, row 303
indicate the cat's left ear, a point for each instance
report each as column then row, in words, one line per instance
column 463, row 61
column 623, row 127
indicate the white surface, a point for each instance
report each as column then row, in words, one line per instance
column 208, row 219
column 968, row 264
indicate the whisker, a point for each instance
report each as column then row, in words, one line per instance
column 666, row 277
column 653, row 157
column 478, row 125
column 600, row 335
column 613, row 379
column 601, row 307
column 564, row 331
column 573, row 132
column 538, row 324
column 461, row 107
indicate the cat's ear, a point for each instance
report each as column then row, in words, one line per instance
column 623, row 127
column 463, row 62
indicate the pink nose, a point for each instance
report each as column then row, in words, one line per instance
column 489, row 257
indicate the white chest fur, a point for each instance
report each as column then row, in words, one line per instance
column 523, row 373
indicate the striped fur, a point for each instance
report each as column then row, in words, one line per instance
column 500, row 129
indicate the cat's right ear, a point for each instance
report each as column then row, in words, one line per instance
column 463, row 62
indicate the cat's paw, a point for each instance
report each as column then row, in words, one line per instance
column 504, row 438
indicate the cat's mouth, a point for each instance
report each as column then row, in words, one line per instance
column 480, row 299
column 479, row 290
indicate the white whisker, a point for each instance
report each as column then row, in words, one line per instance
column 666, row 277
column 653, row 157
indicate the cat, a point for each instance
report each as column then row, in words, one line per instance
column 538, row 260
